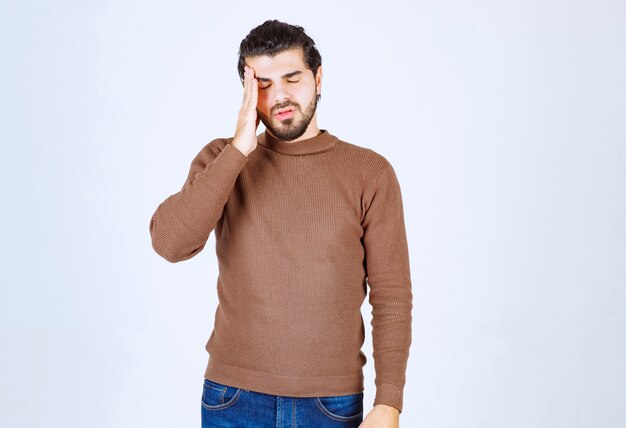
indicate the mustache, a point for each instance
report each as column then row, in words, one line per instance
column 284, row 105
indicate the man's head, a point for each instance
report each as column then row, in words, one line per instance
column 288, row 70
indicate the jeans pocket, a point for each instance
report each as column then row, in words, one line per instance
column 216, row 396
column 342, row 407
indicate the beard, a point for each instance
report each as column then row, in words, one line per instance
column 292, row 128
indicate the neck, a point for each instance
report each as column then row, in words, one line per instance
column 319, row 143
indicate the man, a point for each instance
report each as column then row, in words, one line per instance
column 303, row 222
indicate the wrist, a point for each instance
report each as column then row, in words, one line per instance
column 244, row 152
column 387, row 408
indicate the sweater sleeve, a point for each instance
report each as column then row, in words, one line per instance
column 391, row 298
column 181, row 224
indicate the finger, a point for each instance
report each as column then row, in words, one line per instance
column 253, row 94
column 246, row 83
column 250, row 100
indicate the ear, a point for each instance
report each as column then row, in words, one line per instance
column 318, row 80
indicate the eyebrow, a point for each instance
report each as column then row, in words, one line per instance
column 284, row 76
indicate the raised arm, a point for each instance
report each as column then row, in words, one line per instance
column 182, row 223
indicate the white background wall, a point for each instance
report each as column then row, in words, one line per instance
column 505, row 122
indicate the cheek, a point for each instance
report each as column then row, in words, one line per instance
column 261, row 103
column 304, row 93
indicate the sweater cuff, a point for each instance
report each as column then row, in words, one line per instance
column 233, row 159
column 390, row 395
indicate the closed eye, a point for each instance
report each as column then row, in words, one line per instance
column 267, row 86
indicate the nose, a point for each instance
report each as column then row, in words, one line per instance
column 280, row 93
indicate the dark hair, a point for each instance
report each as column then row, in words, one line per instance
column 273, row 37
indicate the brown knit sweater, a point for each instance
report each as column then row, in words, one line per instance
column 299, row 228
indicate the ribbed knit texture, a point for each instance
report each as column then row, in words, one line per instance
column 301, row 230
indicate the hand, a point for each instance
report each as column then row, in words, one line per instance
column 382, row 416
column 248, row 120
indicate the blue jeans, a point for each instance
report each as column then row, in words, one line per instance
column 228, row 406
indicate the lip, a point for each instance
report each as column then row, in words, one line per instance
column 285, row 113
column 285, row 109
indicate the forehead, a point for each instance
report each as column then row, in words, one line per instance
column 279, row 64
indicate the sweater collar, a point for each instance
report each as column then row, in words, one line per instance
column 320, row 143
